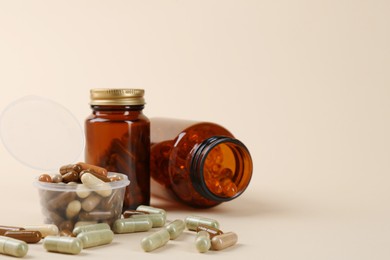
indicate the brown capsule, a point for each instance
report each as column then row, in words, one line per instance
column 56, row 178
column 66, row 233
column 70, row 167
column 66, row 225
column 70, row 176
column 97, row 175
column 115, row 178
column 45, row 178
column 224, row 240
column 97, row 169
column 4, row 229
column 209, row 229
column 128, row 213
column 61, row 200
column 53, row 218
column 110, row 202
column 25, row 235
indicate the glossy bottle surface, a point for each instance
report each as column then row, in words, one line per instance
column 201, row 163
column 118, row 139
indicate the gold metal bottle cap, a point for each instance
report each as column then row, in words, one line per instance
column 117, row 97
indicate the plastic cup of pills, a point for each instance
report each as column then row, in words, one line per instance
column 69, row 204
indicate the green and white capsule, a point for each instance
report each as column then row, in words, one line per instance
column 88, row 228
column 66, row 245
column 202, row 241
column 96, row 238
column 152, row 210
column 131, row 225
column 155, row 240
column 13, row 247
column 175, row 228
column 192, row 222
column 157, row 219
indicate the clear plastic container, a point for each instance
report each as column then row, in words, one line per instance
column 66, row 204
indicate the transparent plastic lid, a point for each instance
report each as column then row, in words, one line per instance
column 41, row 133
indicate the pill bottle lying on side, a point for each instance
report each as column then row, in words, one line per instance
column 201, row 163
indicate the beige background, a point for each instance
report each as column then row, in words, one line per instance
column 304, row 84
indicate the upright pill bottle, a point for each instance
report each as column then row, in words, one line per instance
column 118, row 139
column 202, row 164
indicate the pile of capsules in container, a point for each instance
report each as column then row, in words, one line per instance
column 86, row 234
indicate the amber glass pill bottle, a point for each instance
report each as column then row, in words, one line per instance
column 201, row 163
column 118, row 139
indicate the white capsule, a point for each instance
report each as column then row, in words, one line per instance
column 13, row 247
column 81, row 192
column 100, row 187
column 91, row 202
column 73, row 209
column 46, row 230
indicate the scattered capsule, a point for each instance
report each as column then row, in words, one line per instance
column 89, row 228
column 67, row 245
column 223, row 241
column 45, row 230
column 84, row 223
column 155, row 240
column 158, row 220
column 96, row 237
column 175, row 228
column 128, row 213
column 192, row 222
column 73, row 209
column 152, row 210
column 211, row 230
column 130, row 225
column 4, row 229
column 202, row 241
column 25, row 235
column 101, row 187
column 13, row 247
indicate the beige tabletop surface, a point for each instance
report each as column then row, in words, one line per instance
column 304, row 84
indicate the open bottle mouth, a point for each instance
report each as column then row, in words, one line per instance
column 221, row 168
column 40, row 133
